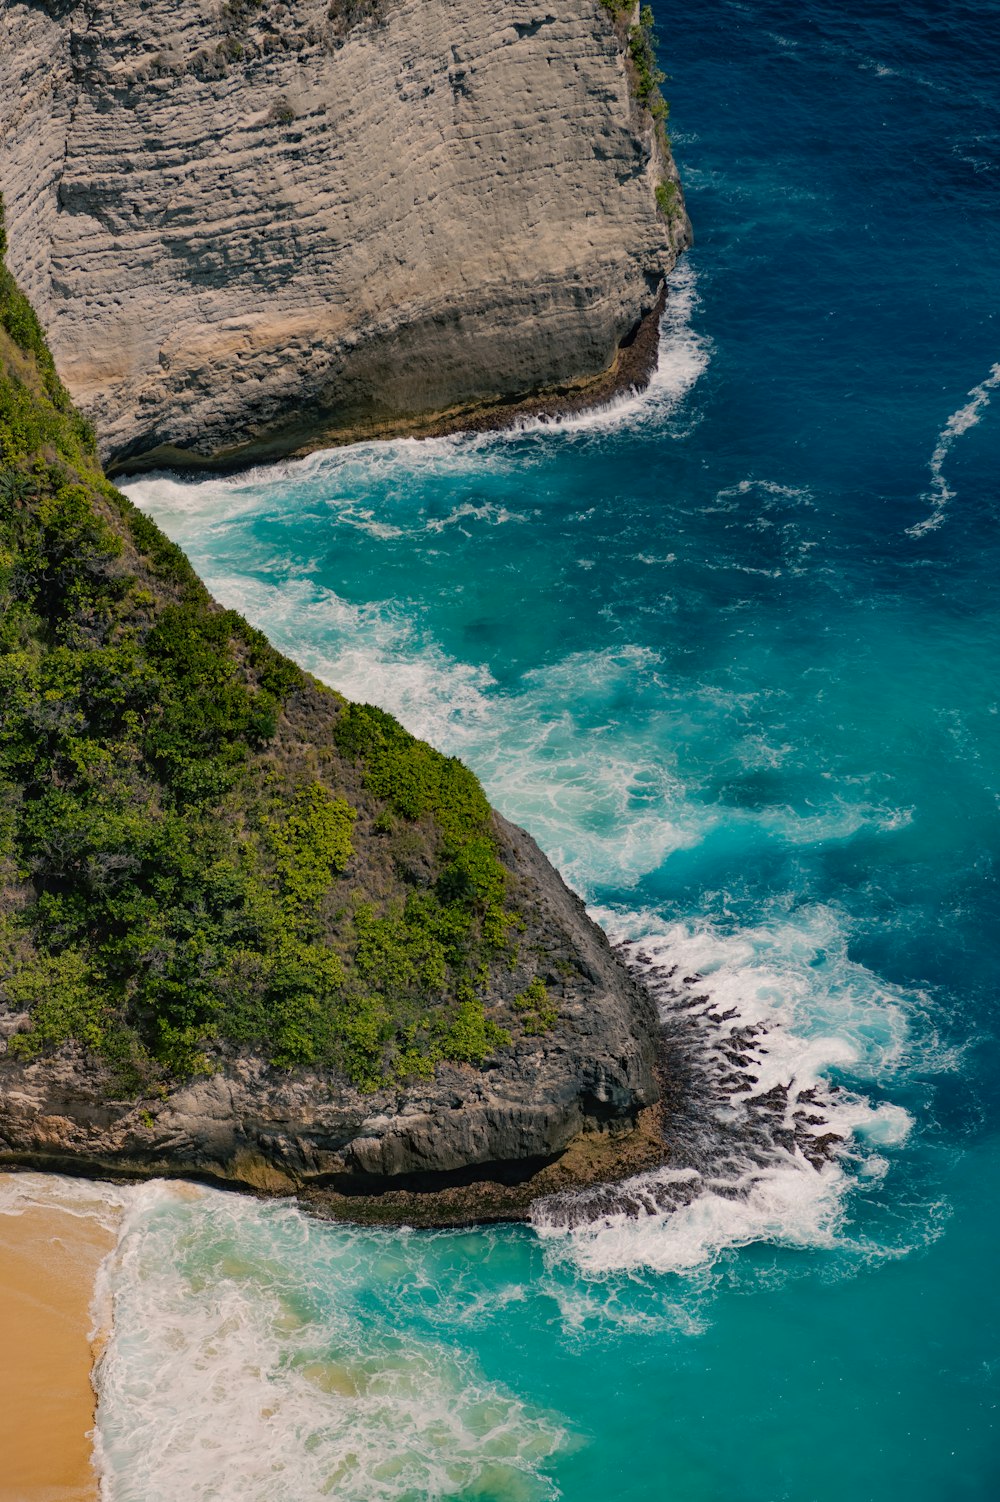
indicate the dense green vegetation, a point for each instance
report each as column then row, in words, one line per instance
column 182, row 810
column 539, row 1013
column 648, row 76
column 640, row 40
column 667, row 198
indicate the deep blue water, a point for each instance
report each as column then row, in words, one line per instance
column 731, row 654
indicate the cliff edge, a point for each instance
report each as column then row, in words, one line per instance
column 249, row 930
column 252, row 228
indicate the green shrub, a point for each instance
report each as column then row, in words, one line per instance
column 666, row 198
column 65, row 1002
column 281, row 112
column 647, row 74
column 471, row 1037
column 312, row 843
column 418, row 782
column 538, row 1012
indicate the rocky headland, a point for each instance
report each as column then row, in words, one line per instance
column 251, row 932
column 253, row 228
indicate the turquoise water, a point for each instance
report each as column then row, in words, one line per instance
column 729, row 651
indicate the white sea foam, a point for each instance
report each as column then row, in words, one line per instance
column 784, row 1204
column 259, row 1357
column 183, row 503
column 81, row 1199
column 596, row 783
column 493, row 515
column 375, row 653
column 553, row 752
column 683, row 356
column 940, row 492
column 780, row 1011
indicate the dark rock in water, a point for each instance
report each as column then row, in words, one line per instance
column 723, row 1135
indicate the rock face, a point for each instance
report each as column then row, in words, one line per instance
column 252, row 227
column 249, row 228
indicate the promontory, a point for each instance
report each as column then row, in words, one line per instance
column 250, row 931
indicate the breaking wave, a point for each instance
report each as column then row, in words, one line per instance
column 186, row 505
column 258, row 1356
column 763, row 1141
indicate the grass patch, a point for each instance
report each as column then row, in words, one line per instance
column 538, row 1012
column 647, row 74
column 667, row 198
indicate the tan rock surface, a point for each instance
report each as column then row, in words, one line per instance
column 253, row 227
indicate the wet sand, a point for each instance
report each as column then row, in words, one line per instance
column 48, row 1263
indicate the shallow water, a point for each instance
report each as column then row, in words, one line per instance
column 729, row 651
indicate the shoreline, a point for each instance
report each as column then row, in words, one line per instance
column 479, row 1194
column 591, row 1160
column 49, row 1260
column 628, row 374
column 456, row 1201
column 482, row 1194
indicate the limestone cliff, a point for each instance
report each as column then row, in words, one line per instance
column 254, row 226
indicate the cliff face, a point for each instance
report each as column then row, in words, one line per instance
column 255, row 226
column 247, row 929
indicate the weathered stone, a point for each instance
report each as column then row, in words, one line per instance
column 252, row 228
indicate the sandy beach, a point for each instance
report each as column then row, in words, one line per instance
column 48, row 1263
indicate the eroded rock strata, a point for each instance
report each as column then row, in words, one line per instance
column 250, row 931
column 253, row 227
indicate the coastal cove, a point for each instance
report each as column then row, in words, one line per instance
column 727, row 650
column 695, row 647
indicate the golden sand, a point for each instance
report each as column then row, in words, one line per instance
column 48, row 1263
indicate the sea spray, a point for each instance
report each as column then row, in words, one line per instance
column 762, row 1146
column 80, row 1199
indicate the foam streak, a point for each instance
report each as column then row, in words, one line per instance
column 940, row 493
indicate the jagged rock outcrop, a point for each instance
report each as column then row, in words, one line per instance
column 252, row 227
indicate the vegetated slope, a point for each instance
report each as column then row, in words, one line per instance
column 252, row 227
column 242, row 920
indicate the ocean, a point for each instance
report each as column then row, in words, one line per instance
column 729, row 650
